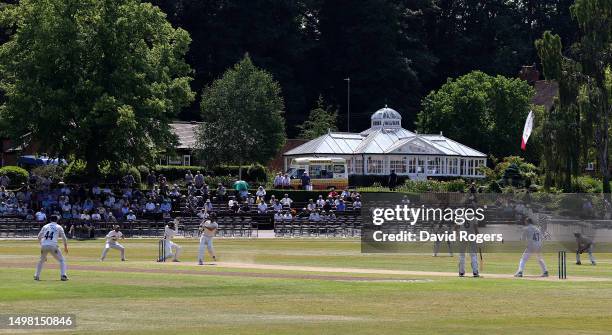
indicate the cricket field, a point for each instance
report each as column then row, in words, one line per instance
column 301, row 286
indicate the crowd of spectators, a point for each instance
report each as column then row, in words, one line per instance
column 125, row 202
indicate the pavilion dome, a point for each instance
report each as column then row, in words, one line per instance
column 386, row 118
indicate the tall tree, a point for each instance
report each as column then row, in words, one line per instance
column 494, row 36
column 584, row 90
column 95, row 79
column 242, row 113
column 479, row 110
column 378, row 45
column 269, row 30
column 321, row 120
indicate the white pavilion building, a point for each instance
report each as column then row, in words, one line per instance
column 386, row 146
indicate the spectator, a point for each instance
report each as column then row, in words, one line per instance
column 188, row 178
column 198, row 180
column 129, row 180
column 305, row 181
column 332, row 193
column 96, row 217
column 286, row 201
column 96, row 191
column 314, row 216
column 262, row 208
column 341, row 207
column 278, row 217
column 41, row 216
column 150, row 206
column 175, row 192
column 278, row 180
column 311, row 205
column 245, row 208
column 125, row 208
column 203, row 214
column 329, row 204
column 151, row 179
column 65, row 190
column 286, row 181
column 234, row 206
column 331, row 216
column 357, row 204
column 208, row 205
column 346, row 195
column 277, row 206
column 261, row 192
column 221, row 191
column 473, row 188
column 166, row 207
column 130, row 217
column 320, row 201
column 85, row 217
column 88, row 205
column 392, row 180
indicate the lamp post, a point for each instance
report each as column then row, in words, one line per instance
column 348, row 103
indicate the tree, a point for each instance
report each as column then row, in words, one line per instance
column 269, row 30
column 320, row 120
column 98, row 80
column 479, row 110
column 242, row 113
column 584, row 86
column 380, row 45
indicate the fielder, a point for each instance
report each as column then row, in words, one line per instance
column 170, row 231
column 208, row 230
column 470, row 228
column 48, row 244
column 111, row 242
column 534, row 236
column 440, row 229
column 584, row 244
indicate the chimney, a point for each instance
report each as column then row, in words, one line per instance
column 529, row 73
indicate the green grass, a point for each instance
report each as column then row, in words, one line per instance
column 159, row 303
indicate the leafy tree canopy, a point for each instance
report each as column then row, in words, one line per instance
column 482, row 111
column 242, row 113
column 320, row 120
column 94, row 79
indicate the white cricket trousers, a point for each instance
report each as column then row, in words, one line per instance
column 115, row 246
column 462, row 248
column 173, row 250
column 527, row 253
column 56, row 253
column 206, row 242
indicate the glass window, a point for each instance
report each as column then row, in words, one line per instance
column 358, row 166
column 375, row 166
column 452, row 165
column 420, row 165
column 399, row 165
column 411, row 165
column 338, row 168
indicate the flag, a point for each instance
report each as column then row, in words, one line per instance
column 527, row 130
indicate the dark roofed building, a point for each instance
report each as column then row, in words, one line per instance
column 186, row 133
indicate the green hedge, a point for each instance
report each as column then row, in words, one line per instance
column 76, row 173
column 250, row 173
column 55, row 172
column 16, row 174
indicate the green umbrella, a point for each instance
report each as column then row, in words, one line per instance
column 241, row 185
